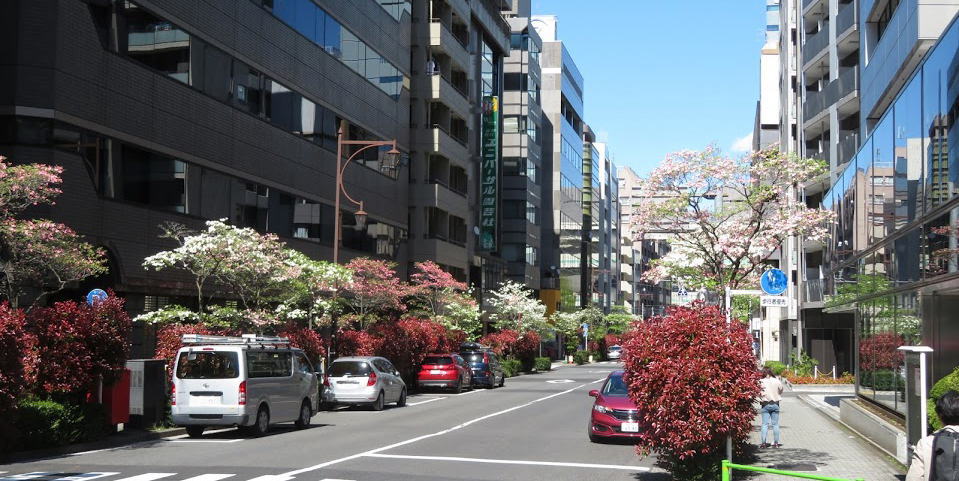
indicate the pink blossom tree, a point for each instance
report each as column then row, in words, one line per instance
column 375, row 291
column 435, row 294
column 726, row 215
column 37, row 253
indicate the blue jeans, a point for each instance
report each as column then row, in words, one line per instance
column 770, row 413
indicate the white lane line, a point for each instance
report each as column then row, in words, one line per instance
column 425, row 436
column 205, row 432
column 210, row 477
column 426, row 401
column 334, row 479
column 598, row 380
column 272, row 477
column 146, row 477
column 513, row 461
column 474, row 391
column 31, row 475
column 204, row 440
column 87, row 476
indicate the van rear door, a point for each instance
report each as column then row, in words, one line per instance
column 207, row 379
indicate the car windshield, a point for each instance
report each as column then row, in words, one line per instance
column 438, row 360
column 615, row 348
column 207, row 365
column 349, row 368
column 614, row 386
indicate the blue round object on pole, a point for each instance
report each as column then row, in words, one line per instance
column 774, row 282
column 96, row 295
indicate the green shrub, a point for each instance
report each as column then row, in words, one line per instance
column 882, row 380
column 511, row 367
column 543, row 364
column 950, row 381
column 581, row 357
column 803, row 364
column 45, row 423
column 776, row 366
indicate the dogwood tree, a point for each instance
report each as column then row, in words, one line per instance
column 313, row 293
column 512, row 306
column 375, row 292
column 437, row 295
column 37, row 253
column 726, row 215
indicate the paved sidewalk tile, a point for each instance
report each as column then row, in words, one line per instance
column 815, row 444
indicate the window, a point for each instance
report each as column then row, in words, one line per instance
column 153, row 179
column 155, row 42
column 350, row 368
column 269, row 364
column 457, row 230
column 303, row 365
column 514, row 209
column 207, row 365
column 514, row 124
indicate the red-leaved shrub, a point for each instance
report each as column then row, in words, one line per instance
column 501, row 342
column 356, row 343
column 16, row 357
column 694, row 381
column 407, row 341
column 526, row 347
column 77, row 344
column 306, row 339
column 881, row 351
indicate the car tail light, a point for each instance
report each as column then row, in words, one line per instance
column 241, row 398
column 372, row 380
column 489, row 373
column 173, row 395
column 326, row 381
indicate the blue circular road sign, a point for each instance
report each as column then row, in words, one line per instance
column 774, row 282
column 96, row 295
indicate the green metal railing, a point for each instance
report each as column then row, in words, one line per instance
column 729, row 467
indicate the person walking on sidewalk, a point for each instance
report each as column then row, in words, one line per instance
column 936, row 455
column 772, row 393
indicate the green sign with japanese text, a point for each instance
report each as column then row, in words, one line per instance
column 489, row 175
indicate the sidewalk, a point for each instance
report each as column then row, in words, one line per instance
column 814, row 443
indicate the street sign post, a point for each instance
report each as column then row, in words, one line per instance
column 774, row 282
column 773, row 301
column 95, row 296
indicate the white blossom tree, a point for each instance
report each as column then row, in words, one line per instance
column 512, row 306
column 726, row 215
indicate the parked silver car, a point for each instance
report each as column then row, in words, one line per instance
column 365, row 380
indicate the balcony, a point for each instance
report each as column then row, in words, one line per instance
column 838, row 89
column 812, row 291
column 815, row 44
column 441, row 38
column 807, row 4
column 847, row 147
column 440, row 141
column 454, row 98
column 846, row 18
column 813, row 104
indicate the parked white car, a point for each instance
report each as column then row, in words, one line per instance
column 614, row 353
column 247, row 381
column 371, row 381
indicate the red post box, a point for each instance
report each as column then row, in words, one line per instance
column 116, row 399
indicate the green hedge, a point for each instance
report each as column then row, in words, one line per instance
column 511, row 367
column 950, row 381
column 543, row 364
column 44, row 423
column 884, row 380
column 581, row 357
column 776, row 366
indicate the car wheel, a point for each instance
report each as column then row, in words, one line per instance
column 459, row 387
column 502, row 380
column 380, row 401
column 402, row 400
column 195, row 431
column 262, row 424
column 306, row 414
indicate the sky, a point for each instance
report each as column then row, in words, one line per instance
column 662, row 76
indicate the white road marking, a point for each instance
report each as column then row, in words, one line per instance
column 469, row 392
column 87, row 476
column 272, row 477
column 598, row 380
column 204, row 440
column 146, row 477
column 334, row 479
column 560, row 381
column 425, row 436
column 182, row 436
column 31, row 475
column 426, row 401
column 210, row 477
column 513, row 461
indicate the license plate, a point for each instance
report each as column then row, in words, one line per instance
column 437, row 371
column 205, row 400
column 347, row 382
column 629, row 427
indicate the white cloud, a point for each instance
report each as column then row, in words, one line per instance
column 743, row 144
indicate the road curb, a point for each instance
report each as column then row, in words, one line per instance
column 112, row 441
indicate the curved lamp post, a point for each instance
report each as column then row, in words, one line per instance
column 340, row 188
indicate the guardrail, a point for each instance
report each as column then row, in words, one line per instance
column 728, row 468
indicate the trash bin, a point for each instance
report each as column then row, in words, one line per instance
column 148, row 392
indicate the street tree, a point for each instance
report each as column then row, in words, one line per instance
column 512, row 306
column 435, row 294
column 313, row 293
column 375, row 292
column 36, row 253
column 726, row 215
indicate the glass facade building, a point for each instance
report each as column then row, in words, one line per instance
column 894, row 257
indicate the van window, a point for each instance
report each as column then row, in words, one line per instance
column 302, row 364
column 349, row 368
column 269, row 364
column 207, row 365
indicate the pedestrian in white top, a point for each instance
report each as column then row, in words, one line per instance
column 772, row 393
column 936, row 456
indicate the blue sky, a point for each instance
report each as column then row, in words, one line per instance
column 664, row 76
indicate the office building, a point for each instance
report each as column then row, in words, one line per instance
column 186, row 111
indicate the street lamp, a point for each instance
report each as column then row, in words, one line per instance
column 361, row 215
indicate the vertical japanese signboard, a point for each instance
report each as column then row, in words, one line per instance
column 489, row 174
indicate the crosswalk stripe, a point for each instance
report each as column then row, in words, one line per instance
column 146, row 477
column 31, row 475
column 209, row 477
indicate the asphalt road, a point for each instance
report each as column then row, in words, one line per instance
column 534, row 428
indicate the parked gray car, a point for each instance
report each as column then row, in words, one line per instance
column 367, row 380
column 614, row 353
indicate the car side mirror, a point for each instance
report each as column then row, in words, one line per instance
column 594, row 393
column 396, row 373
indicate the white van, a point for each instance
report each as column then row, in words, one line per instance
column 246, row 381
